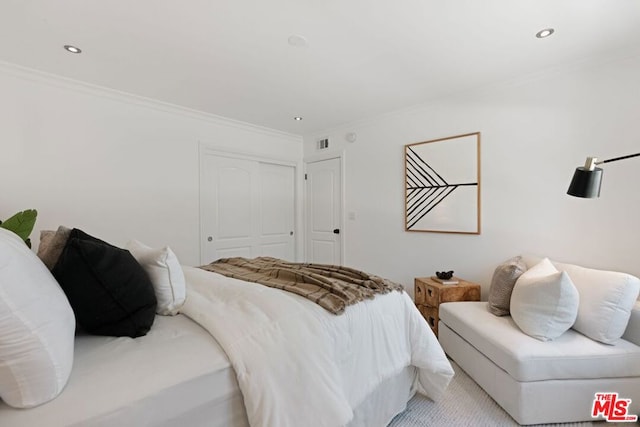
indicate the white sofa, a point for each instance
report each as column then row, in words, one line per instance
column 543, row 381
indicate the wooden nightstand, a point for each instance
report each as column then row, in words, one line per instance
column 429, row 294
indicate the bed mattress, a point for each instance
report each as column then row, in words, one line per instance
column 175, row 375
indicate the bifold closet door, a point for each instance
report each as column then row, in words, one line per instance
column 247, row 208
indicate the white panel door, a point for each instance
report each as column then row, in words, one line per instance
column 324, row 212
column 228, row 197
column 247, row 209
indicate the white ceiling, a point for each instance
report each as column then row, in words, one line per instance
column 364, row 57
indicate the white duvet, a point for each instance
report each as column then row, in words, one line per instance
column 298, row 364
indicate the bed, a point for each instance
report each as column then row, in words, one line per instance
column 175, row 375
column 243, row 354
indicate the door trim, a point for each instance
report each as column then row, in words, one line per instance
column 205, row 149
column 340, row 155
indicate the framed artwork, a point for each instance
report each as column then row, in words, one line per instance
column 442, row 185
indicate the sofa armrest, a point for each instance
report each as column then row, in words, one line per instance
column 632, row 333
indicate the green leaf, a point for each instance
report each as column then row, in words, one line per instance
column 21, row 223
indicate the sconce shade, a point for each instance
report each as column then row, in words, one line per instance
column 586, row 183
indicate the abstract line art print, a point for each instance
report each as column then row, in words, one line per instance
column 442, row 185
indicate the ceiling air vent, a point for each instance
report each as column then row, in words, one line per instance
column 323, row 144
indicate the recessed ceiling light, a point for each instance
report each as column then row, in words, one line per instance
column 545, row 33
column 297, row 41
column 297, row 118
column 72, row 49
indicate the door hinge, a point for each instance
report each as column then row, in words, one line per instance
column 305, row 176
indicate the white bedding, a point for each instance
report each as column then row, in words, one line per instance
column 175, row 375
column 296, row 362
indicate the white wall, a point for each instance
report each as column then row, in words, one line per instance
column 534, row 133
column 117, row 166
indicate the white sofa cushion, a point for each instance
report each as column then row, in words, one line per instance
column 606, row 299
column 37, row 327
column 544, row 302
column 165, row 273
column 570, row 356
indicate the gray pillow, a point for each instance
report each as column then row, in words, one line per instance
column 51, row 245
column 45, row 242
column 502, row 283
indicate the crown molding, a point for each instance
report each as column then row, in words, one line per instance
column 49, row 79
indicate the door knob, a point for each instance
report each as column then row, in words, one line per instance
column 336, row 231
column 209, row 239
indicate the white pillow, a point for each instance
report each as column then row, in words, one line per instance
column 37, row 327
column 606, row 300
column 165, row 273
column 544, row 302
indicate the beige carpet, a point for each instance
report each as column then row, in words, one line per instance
column 466, row 404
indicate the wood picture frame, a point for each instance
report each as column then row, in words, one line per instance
column 442, row 185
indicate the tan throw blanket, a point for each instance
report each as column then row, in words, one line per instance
column 332, row 287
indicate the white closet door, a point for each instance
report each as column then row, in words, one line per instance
column 247, row 209
column 276, row 211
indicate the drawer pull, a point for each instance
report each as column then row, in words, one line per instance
column 430, row 291
column 432, row 321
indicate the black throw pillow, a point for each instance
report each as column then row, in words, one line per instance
column 110, row 293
